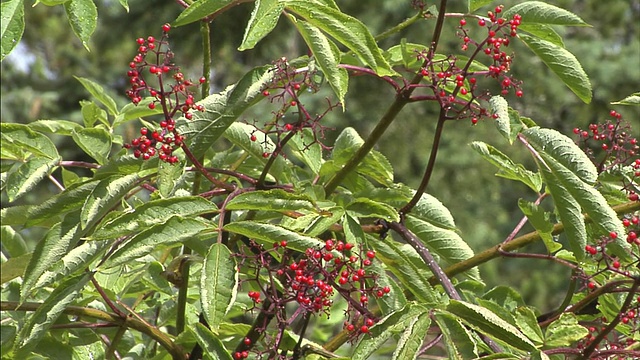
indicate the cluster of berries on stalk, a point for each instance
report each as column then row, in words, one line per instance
column 156, row 59
column 612, row 148
column 314, row 279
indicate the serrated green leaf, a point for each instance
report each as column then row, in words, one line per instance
column 593, row 203
column 14, row 267
column 391, row 325
column 569, row 212
column 92, row 113
column 377, row 167
column 542, row 31
column 405, row 263
column 240, row 135
column 77, row 259
column 327, row 56
column 346, row 144
column 28, row 175
column 222, row 109
column 11, row 25
column 175, row 230
column 308, row 152
column 345, row 29
column 366, row 208
column 218, row 284
column 430, row 209
column 96, row 142
column 12, row 242
column 563, row 63
column 564, row 331
column 99, row 93
column 405, row 53
column 126, row 164
column 444, row 242
column 508, row 169
column 264, row 18
column 324, row 221
column 70, row 199
column 271, row 200
column 527, row 322
column 199, row 10
column 61, row 238
column 490, row 324
column 60, row 127
column 353, row 232
column 633, row 99
column 563, row 150
column 500, row 107
column 169, row 177
column 32, row 141
column 211, row 345
column 104, row 196
column 540, row 221
column 83, row 18
column 410, row 341
column 134, row 111
column 543, row 13
column 267, row 234
column 47, row 313
column 459, row 342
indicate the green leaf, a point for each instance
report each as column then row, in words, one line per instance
column 70, row 199
column 327, row 56
column 570, row 214
column 28, row 175
column 564, row 331
column 99, row 93
column 200, row 9
column 458, row 340
column 366, row 208
column 377, row 167
column 563, row 63
column 345, row 29
column 222, row 109
column 564, row 151
column 264, row 18
column 633, row 99
column 528, row 324
column 405, row 263
column 543, row 13
column 77, row 259
column 60, row 127
column 14, row 267
column 47, row 313
column 474, row 5
column 500, row 107
column 508, row 169
column 12, row 242
column 271, row 200
column 83, row 18
column 104, row 196
column 540, row 221
column 174, row 230
column 431, row 210
column 34, row 142
column 267, row 234
column 353, row 232
column 308, row 152
column 11, row 25
column 490, row 324
column 404, row 54
column 240, row 135
column 125, row 4
column 153, row 213
column 92, row 113
column 61, row 238
column 134, row 111
column 94, row 141
column 542, row 31
column 410, row 341
column 218, row 284
column 392, row 325
column 211, row 345
column 345, row 146
column 593, row 203
column 446, row 243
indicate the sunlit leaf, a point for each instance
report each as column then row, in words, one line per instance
column 83, row 18
column 11, row 25
column 543, row 13
column 218, row 284
column 264, row 18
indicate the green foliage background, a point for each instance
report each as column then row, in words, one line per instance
column 37, row 83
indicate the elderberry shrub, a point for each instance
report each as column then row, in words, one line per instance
column 155, row 59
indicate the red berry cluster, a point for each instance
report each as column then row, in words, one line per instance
column 611, row 147
column 630, row 318
column 154, row 57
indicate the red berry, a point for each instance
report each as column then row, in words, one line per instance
column 288, row 127
column 202, row 80
column 265, row 154
column 463, row 22
column 371, row 254
column 265, row 93
column 247, row 341
column 253, row 138
column 519, row 93
column 152, row 106
column 481, row 22
column 140, row 41
column 166, row 28
column 613, row 235
column 616, row 264
column 364, row 329
column 283, row 243
column 293, row 103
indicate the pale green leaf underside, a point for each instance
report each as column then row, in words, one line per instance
column 458, row 339
column 633, row 99
column 212, row 346
column 104, row 196
column 218, row 284
column 271, row 200
column 264, row 18
column 543, row 13
column 28, row 175
column 267, row 234
column 500, row 107
column 508, row 169
column 11, row 25
column 83, row 18
column 201, row 9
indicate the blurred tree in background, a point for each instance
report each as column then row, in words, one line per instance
column 38, row 83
